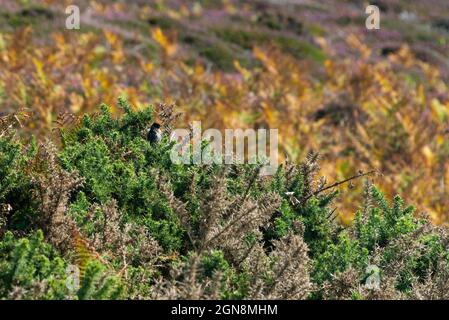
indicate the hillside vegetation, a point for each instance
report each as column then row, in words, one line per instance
column 365, row 99
column 108, row 215
column 89, row 209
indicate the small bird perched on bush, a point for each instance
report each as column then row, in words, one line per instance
column 154, row 133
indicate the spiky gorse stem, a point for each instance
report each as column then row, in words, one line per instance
column 52, row 188
column 10, row 121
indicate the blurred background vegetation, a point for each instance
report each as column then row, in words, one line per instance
column 363, row 99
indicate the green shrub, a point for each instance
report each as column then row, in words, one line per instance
column 148, row 228
column 32, row 269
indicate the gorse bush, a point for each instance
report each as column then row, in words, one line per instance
column 103, row 201
column 31, row 269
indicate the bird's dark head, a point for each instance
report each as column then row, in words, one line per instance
column 155, row 126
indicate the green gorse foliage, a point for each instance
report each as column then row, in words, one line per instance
column 138, row 226
column 32, row 269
